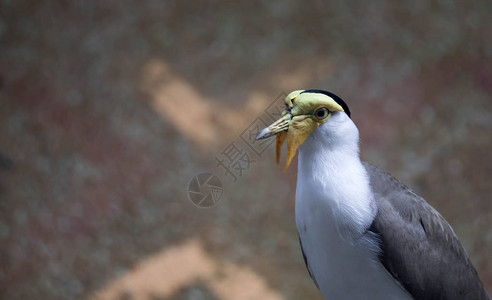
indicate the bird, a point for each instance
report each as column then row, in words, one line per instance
column 363, row 234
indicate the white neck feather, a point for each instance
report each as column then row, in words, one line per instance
column 330, row 167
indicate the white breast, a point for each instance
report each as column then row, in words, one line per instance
column 334, row 207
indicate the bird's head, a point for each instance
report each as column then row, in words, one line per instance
column 305, row 111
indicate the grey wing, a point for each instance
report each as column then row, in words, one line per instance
column 419, row 248
column 307, row 264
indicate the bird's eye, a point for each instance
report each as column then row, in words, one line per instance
column 321, row 113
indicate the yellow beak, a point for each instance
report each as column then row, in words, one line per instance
column 279, row 126
column 295, row 129
column 297, row 122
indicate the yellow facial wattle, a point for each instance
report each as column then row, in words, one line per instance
column 298, row 121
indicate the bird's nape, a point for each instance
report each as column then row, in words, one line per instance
column 356, row 237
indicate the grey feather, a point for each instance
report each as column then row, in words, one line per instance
column 419, row 248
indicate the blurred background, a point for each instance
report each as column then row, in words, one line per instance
column 108, row 110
